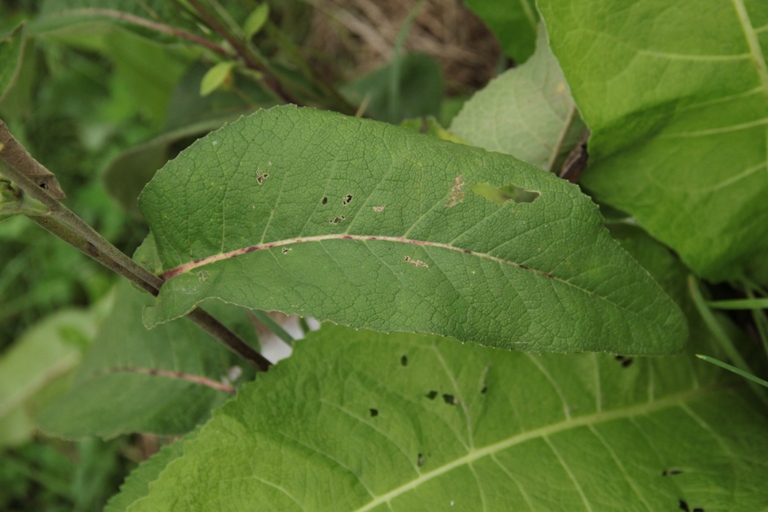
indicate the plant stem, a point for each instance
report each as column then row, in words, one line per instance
column 243, row 52
column 64, row 224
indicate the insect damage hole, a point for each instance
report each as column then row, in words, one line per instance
column 503, row 194
column 324, row 200
column 404, row 360
column 420, row 460
column 626, row 362
column 431, row 395
column 261, row 177
column 286, row 250
column 457, row 193
column 337, row 220
column 416, row 263
column 374, row 413
column 671, row 472
column 450, row 399
column 378, row 209
column 347, row 199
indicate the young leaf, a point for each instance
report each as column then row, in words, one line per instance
column 526, row 112
column 216, row 77
column 677, row 101
column 256, row 20
column 163, row 381
column 408, row 422
column 376, row 226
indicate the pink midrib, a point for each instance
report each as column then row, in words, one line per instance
column 186, row 267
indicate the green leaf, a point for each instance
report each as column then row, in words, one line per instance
column 513, row 23
column 526, row 112
column 676, row 100
column 256, row 20
column 409, row 422
column 216, row 77
column 162, row 381
column 375, row 226
column 136, row 486
column 36, row 368
column 420, row 89
column 11, row 50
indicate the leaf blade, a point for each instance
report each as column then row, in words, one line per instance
column 286, row 197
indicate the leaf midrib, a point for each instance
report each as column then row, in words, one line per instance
column 678, row 400
column 187, row 267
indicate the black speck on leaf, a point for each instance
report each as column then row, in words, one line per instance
column 432, row 395
column 374, row 413
column 404, row 360
column 450, row 399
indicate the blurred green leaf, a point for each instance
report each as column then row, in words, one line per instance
column 256, row 20
column 513, row 23
column 162, row 381
column 42, row 357
column 527, row 112
column 216, row 77
column 11, row 50
column 420, row 89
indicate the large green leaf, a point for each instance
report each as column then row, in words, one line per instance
column 376, row 226
column 363, row 421
column 33, row 370
column 513, row 23
column 527, row 112
column 162, row 381
column 677, row 101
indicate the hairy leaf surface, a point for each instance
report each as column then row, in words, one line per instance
column 359, row 421
column 526, row 112
column 162, row 381
column 375, row 226
column 677, row 101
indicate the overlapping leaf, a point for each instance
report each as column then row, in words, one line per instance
column 11, row 48
column 677, row 101
column 378, row 227
column 513, row 23
column 163, row 381
column 526, row 112
column 362, row 421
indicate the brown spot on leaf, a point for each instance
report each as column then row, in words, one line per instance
column 457, row 194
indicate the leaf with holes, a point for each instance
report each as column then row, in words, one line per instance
column 526, row 112
column 405, row 422
column 163, row 381
column 677, row 101
column 375, row 226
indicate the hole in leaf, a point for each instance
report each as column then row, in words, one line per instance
column 420, row 460
column 431, row 395
column 484, row 390
column 684, row 506
column 374, row 413
column 347, row 199
column 286, row 250
column 338, row 219
column 324, row 200
column 671, row 472
column 626, row 362
column 261, row 177
column 450, row 399
column 404, row 360
column 503, row 194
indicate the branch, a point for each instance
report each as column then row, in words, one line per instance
column 67, row 226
